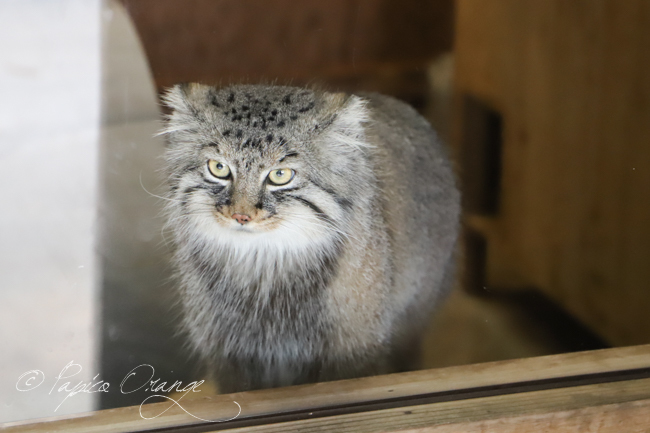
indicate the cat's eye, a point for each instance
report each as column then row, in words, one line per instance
column 218, row 169
column 281, row 176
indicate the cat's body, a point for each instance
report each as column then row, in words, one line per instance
column 330, row 275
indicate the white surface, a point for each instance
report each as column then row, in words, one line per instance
column 49, row 128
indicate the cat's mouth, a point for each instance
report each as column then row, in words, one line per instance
column 258, row 224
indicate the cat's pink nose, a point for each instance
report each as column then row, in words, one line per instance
column 241, row 218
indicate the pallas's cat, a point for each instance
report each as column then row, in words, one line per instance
column 314, row 232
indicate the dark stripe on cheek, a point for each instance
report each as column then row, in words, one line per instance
column 219, row 194
column 191, row 189
column 280, row 195
column 341, row 201
column 186, row 194
column 280, row 191
column 279, row 198
column 190, row 167
column 318, row 211
column 214, row 189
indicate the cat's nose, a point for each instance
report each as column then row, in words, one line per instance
column 241, row 218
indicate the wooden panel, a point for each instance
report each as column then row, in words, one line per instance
column 572, row 82
column 224, row 40
column 445, row 381
column 582, row 409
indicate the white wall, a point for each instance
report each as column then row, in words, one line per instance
column 49, row 129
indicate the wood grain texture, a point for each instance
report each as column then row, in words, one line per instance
column 225, row 40
column 343, row 393
column 631, row 417
column 572, row 82
column 618, row 407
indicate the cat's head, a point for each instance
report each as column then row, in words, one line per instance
column 264, row 162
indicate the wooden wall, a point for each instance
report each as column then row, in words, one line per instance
column 351, row 44
column 570, row 81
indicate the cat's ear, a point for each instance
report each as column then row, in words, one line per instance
column 185, row 97
column 175, row 98
column 347, row 129
column 183, row 100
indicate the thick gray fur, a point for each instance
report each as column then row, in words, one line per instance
column 339, row 270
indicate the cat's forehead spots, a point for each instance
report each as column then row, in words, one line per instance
column 264, row 107
column 258, row 115
column 256, row 162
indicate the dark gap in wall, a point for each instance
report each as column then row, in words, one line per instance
column 475, row 256
column 480, row 155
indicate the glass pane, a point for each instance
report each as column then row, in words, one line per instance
column 552, row 254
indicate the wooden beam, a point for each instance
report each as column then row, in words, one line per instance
column 542, row 389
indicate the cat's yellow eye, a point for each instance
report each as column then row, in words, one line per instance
column 281, row 176
column 218, row 169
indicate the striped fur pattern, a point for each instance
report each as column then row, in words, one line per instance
column 338, row 269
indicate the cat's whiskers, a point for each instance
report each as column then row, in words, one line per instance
column 155, row 195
